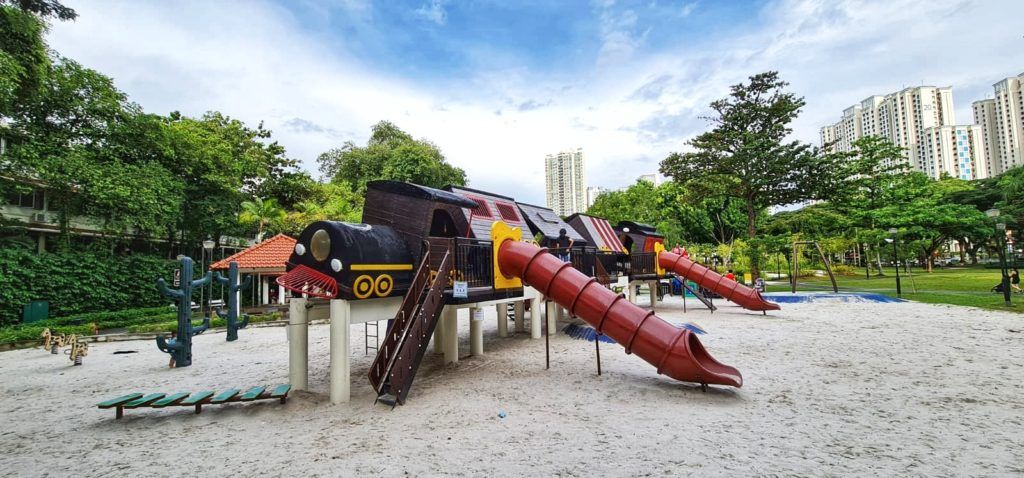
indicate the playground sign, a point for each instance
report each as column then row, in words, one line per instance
column 460, row 290
column 177, row 278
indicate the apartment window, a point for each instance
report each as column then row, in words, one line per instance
column 32, row 199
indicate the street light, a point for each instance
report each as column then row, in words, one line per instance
column 204, row 297
column 1000, row 238
column 896, row 259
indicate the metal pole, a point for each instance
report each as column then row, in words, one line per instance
column 896, row 258
column 1002, row 264
column 202, row 290
column 547, row 341
column 597, row 349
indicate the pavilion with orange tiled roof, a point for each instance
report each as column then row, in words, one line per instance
column 265, row 260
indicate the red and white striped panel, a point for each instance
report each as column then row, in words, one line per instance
column 605, row 233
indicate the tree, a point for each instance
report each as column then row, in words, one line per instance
column 262, row 214
column 327, row 202
column 674, row 211
column 390, row 153
column 43, row 8
column 746, row 156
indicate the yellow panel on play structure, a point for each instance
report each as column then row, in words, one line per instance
column 501, row 232
column 658, row 249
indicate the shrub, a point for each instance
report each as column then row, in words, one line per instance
column 78, row 282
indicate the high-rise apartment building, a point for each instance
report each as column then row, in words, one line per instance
column 592, row 193
column 907, row 118
column 652, row 178
column 1002, row 122
column 985, row 117
column 956, row 151
column 565, row 182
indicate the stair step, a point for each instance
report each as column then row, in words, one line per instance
column 388, row 399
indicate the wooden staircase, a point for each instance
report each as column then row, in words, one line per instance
column 406, row 340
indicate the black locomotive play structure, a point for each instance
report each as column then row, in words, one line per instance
column 416, row 242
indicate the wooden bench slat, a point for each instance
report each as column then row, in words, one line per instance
column 225, row 396
column 251, row 394
column 280, row 391
column 113, row 402
column 144, row 400
column 170, row 400
column 197, row 398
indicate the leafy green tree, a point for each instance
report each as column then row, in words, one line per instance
column 262, row 214
column 674, row 211
column 746, row 155
column 43, row 8
column 328, row 202
column 390, row 153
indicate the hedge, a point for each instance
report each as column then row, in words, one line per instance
column 78, row 282
column 156, row 323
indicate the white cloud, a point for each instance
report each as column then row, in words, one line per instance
column 688, row 8
column 433, row 11
column 255, row 62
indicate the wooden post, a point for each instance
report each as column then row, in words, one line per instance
column 340, row 372
column 476, row 331
column 450, row 316
column 502, row 310
column 298, row 344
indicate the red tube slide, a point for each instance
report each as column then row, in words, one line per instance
column 729, row 289
column 675, row 352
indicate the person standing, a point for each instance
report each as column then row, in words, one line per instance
column 1015, row 281
column 677, row 250
column 562, row 244
column 729, row 275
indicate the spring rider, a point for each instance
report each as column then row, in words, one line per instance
column 233, row 285
column 180, row 347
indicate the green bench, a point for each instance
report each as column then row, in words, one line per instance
column 197, row 400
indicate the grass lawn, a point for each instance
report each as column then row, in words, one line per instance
column 958, row 285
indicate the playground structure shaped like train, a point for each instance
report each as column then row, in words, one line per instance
column 408, row 228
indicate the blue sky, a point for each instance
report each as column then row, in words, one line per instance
column 496, row 85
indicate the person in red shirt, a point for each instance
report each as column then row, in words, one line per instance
column 729, row 275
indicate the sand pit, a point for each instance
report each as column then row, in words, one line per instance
column 831, row 388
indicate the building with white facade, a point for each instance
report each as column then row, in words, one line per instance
column 1002, row 123
column 592, row 193
column 652, row 178
column 921, row 120
column 956, row 151
column 565, row 182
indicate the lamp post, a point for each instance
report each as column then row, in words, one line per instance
column 867, row 262
column 896, row 260
column 1000, row 238
column 205, row 296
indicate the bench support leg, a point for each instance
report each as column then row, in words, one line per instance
column 119, row 413
column 283, row 398
column 199, row 409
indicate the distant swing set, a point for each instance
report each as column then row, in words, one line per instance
column 796, row 264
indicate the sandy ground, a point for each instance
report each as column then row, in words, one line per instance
column 830, row 389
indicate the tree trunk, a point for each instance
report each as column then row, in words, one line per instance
column 878, row 258
column 963, row 250
column 755, row 252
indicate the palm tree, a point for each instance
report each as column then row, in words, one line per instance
column 262, row 213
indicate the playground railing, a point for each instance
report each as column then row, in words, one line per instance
column 473, row 260
column 642, row 264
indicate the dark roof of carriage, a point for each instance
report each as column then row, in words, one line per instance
column 548, row 223
column 638, row 227
column 421, row 192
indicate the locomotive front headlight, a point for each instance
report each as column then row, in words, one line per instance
column 335, row 265
column 320, row 245
column 300, row 249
